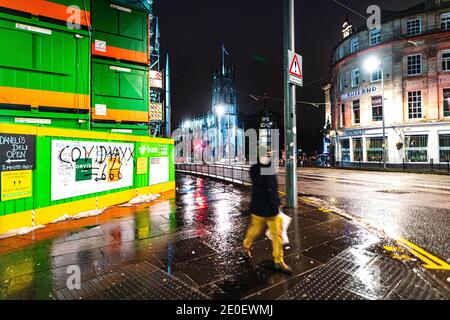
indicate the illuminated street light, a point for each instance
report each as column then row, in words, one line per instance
column 373, row 64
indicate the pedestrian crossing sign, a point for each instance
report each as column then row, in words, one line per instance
column 295, row 69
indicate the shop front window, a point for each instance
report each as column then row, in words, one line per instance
column 345, row 148
column 417, row 148
column 357, row 150
column 375, row 149
column 444, row 148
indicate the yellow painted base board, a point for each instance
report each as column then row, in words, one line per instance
column 48, row 214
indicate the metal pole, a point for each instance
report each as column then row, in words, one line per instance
column 384, row 123
column 228, row 137
column 290, row 117
column 168, row 102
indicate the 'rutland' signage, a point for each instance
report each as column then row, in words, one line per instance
column 359, row 92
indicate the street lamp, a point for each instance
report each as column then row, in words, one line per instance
column 373, row 64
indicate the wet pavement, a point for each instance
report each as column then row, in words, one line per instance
column 187, row 246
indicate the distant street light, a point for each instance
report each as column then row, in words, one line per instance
column 373, row 64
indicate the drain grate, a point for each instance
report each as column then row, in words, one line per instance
column 141, row 281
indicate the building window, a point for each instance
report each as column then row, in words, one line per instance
column 447, row 102
column 375, row 149
column 375, row 37
column 446, row 61
column 376, row 75
column 414, row 65
column 445, row 21
column 356, row 112
column 342, row 82
column 414, row 27
column 444, row 148
column 354, row 45
column 377, row 108
column 415, row 104
column 341, row 52
column 417, row 148
column 345, row 149
column 357, row 150
column 342, row 120
column 356, row 80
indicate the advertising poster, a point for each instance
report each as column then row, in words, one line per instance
column 82, row 167
column 158, row 157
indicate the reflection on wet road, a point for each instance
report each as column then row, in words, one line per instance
column 413, row 206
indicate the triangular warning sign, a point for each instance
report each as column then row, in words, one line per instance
column 295, row 68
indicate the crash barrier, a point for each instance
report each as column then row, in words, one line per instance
column 238, row 174
column 47, row 173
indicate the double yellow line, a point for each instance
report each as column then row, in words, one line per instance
column 430, row 261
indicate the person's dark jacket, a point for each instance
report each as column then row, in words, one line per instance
column 265, row 199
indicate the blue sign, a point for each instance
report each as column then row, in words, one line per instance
column 359, row 92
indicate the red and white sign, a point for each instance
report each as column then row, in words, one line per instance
column 156, row 79
column 296, row 68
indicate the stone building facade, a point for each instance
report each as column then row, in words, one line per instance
column 413, row 48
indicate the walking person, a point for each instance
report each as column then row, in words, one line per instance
column 265, row 209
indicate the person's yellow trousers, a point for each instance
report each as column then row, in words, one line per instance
column 257, row 226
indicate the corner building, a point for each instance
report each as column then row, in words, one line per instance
column 413, row 48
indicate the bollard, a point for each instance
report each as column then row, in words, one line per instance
column 431, row 164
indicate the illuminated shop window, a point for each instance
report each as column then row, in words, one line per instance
column 417, row 148
column 345, row 149
column 444, row 148
column 375, row 149
column 357, row 150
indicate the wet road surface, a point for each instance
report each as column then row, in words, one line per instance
column 187, row 246
column 412, row 206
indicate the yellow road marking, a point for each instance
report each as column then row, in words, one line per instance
column 431, row 261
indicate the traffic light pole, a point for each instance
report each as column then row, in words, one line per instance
column 290, row 117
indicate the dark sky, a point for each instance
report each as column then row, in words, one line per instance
column 192, row 31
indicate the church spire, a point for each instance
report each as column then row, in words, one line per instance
column 224, row 52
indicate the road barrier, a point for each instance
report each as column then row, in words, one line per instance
column 234, row 174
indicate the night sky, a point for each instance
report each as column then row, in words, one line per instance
column 193, row 31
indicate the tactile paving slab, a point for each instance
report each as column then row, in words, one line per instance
column 357, row 275
column 141, row 281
